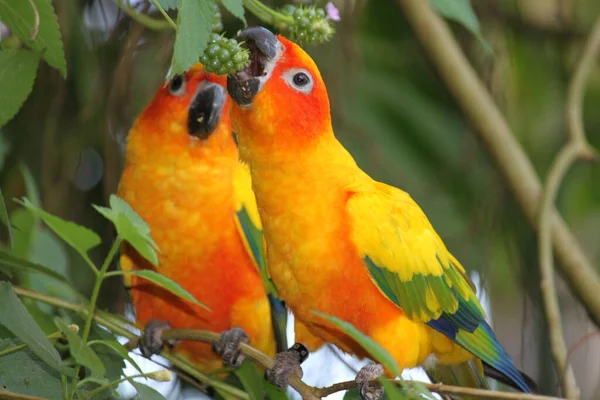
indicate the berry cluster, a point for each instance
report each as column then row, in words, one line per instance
column 224, row 56
column 309, row 26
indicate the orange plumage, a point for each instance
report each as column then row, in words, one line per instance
column 188, row 190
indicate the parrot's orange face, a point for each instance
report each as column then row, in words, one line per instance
column 188, row 113
column 280, row 98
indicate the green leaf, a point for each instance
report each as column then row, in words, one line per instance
column 461, row 12
column 19, row 17
column 81, row 352
column 131, row 227
column 273, row 393
column 31, row 189
column 236, row 7
column 6, row 220
column 7, row 260
column 163, row 282
column 373, row 348
column 25, row 373
column 168, row 4
column 119, row 349
column 15, row 317
column 392, row 392
column 77, row 236
column 146, row 392
column 251, row 380
column 194, row 26
column 18, row 68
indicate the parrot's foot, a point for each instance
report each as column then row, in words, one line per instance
column 368, row 385
column 228, row 346
column 151, row 342
column 286, row 363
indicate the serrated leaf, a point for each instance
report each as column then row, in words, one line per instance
column 251, row 380
column 130, row 227
column 461, row 12
column 81, row 352
column 168, row 4
column 25, row 373
column 6, row 220
column 372, row 347
column 146, row 392
column 119, row 349
column 163, row 282
column 15, row 317
column 194, row 26
column 77, row 236
column 236, row 7
column 18, row 68
column 19, row 17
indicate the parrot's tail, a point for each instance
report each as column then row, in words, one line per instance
column 467, row 374
column 500, row 377
column 472, row 374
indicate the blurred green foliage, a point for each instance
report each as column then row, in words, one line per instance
column 390, row 110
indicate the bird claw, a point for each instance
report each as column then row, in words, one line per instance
column 228, row 346
column 286, row 363
column 368, row 384
column 151, row 342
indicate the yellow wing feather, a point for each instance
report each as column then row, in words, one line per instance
column 407, row 259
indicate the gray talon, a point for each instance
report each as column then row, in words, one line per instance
column 368, row 385
column 228, row 346
column 286, row 363
column 151, row 342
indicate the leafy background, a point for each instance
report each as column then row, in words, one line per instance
column 64, row 147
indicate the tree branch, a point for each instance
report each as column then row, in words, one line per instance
column 36, row 21
column 143, row 19
column 515, row 166
column 122, row 327
column 576, row 148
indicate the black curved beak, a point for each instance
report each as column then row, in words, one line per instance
column 205, row 109
column 264, row 49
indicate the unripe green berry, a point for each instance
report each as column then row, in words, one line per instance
column 224, row 56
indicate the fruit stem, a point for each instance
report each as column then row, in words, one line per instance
column 266, row 14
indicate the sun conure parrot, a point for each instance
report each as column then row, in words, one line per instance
column 183, row 177
column 339, row 242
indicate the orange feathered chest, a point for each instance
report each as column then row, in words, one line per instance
column 191, row 213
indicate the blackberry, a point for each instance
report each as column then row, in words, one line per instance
column 224, row 56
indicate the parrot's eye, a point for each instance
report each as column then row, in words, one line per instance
column 177, row 85
column 299, row 79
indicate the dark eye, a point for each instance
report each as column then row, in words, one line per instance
column 301, row 79
column 177, row 85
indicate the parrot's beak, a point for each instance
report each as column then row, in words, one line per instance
column 264, row 49
column 205, row 109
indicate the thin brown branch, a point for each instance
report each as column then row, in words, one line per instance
column 36, row 22
column 6, row 395
column 122, row 327
column 442, row 389
column 576, row 148
column 516, row 168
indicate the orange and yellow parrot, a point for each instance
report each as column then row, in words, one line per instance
column 182, row 176
column 339, row 242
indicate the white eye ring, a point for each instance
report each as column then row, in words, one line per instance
column 177, row 85
column 299, row 79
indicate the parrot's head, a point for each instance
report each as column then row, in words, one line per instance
column 189, row 113
column 280, row 99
